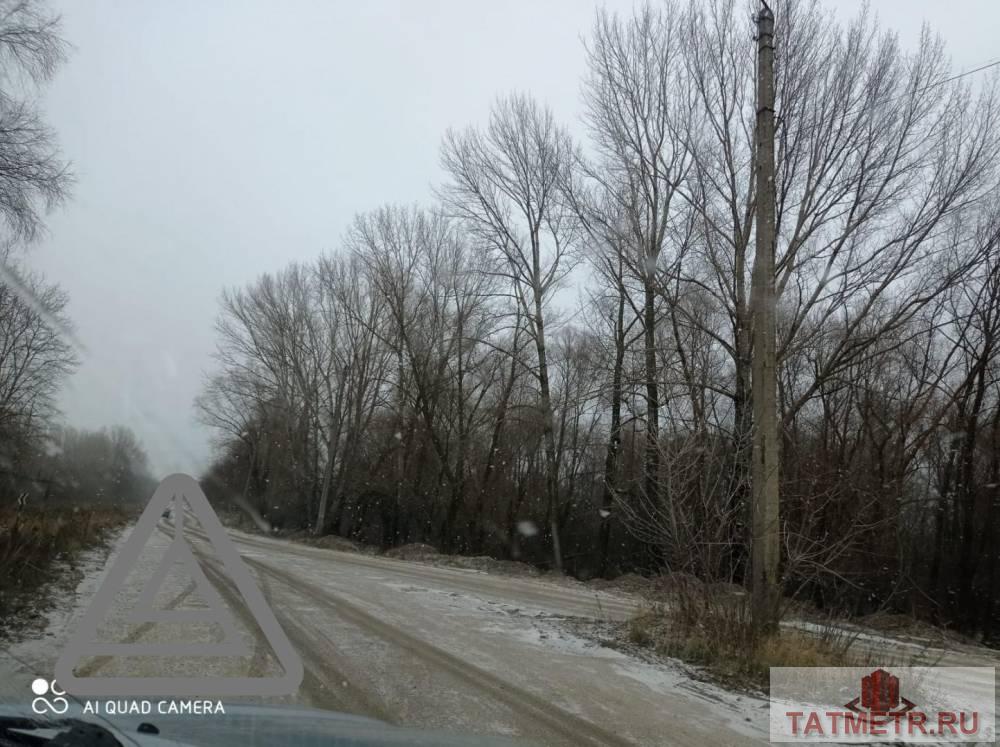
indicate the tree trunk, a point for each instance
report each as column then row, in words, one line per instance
column 651, row 468
column 334, row 441
column 548, row 433
column 615, row 435
column 967, row 561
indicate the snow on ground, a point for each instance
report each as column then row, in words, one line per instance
column 910, row 650
column 35, row 652
column 525, row 631
column 525, row 638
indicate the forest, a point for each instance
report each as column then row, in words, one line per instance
column 551, row 361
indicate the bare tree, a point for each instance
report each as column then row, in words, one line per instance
column 353, row 314
column 33, row 176
column 634, row 104
column 437, row 293
column 506, row 188
column 35, row 360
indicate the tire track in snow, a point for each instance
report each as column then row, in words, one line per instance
column 99, row 662
column 536, row 716
column 576, row 601
column 325, row 685
column 571, row 729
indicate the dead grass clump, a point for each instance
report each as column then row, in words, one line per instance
column 32, row 541
column 646, row 628
column 712, row 629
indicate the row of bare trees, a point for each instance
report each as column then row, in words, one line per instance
column 42, row 463
column 553, row 361
column 35, row 354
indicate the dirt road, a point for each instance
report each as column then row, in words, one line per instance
column 424, row 646
column 435, row 648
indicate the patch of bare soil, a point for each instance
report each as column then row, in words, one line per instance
column 333, row 542
column 424, row 553
column 632, row 583
column 492, row 565
column 414, row 551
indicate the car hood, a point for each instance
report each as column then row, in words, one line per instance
column 244, row 725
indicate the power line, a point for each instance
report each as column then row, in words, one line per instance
column 985, row 66
column 929, row 86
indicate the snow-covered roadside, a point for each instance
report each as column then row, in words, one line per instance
column 38, row 642
column 905, row 651
column 739, row 712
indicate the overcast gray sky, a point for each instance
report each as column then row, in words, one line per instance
column 214, row 141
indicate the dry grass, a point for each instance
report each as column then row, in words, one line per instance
column 713, row 630
column 32, row 542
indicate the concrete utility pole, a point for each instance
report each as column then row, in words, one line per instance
column 766, row 545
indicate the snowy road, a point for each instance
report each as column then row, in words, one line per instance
column 418, row 645
column 466, row 651
column 428, row 647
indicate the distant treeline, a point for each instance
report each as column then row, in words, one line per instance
column 66, row 467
